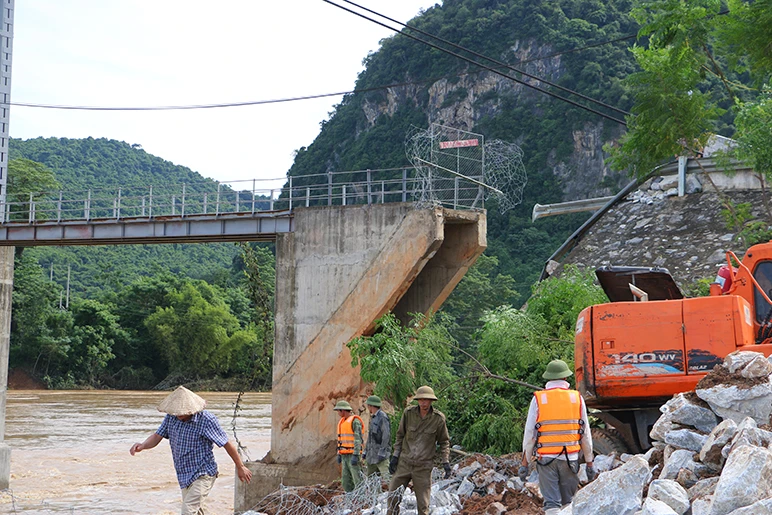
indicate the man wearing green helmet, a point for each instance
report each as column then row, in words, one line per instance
column 556, row 431
column 421, row 429
column 378, row 446
column 349, row 446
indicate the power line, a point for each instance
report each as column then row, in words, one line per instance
column 497, row 72
column 295, row 99
column 497, row 62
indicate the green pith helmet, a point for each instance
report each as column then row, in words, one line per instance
column 557, row 369
column 374, row 400
column 425, row 392
column 343, row 405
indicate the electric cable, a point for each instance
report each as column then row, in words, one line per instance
column 497, row 72
column 495, row 61
column 289, row 99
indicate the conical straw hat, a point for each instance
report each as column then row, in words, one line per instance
column 182, row 402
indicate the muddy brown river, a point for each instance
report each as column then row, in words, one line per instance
column 70, row 452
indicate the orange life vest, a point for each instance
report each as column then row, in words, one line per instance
column 559, row 425
column 346, row 434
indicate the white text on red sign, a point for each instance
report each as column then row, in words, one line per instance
column 459, row 143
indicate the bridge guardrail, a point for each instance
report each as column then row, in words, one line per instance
column 211, row 198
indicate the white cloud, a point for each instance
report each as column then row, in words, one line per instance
column 175, row 52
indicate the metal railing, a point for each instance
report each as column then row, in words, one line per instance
column 213, row 199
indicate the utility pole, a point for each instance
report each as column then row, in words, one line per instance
column 6, row 253
column 67, row 302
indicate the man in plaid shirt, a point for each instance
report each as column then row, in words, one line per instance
column 192, row 432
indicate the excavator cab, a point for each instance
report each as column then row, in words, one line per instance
column 752, row 280
column 763, row 276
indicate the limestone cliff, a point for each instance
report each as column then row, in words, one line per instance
column 466, row 101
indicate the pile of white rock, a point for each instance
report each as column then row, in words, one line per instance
column 711, row 455
column 659, row 188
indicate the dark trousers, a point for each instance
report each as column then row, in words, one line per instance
column 557, row 482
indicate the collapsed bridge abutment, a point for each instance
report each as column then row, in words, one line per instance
column 340, row 270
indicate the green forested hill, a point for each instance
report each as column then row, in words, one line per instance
column 579, row 44
column 80, row 164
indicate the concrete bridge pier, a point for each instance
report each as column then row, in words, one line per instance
column 342, row 269
column 6, row 291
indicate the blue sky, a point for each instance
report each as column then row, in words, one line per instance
column 182, row 52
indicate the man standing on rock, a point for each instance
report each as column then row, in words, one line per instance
column 421, row 429
column 556, row 430
column 378, row 446
column 349, row 446
column 192, row 431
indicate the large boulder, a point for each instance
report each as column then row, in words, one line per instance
column 748, row 434
column 655, row 507
column 682, row 410
column 722, row 434
column 739, row 388
column 749, row 364
column 686, row 439
column 763, row 507
column 745, row 479
column 737, row 402
column 671, row 493
column 616, row 492
column 674, row 462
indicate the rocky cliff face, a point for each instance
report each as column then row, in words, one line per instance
column 463, row 103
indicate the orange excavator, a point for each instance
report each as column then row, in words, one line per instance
column 650, row 343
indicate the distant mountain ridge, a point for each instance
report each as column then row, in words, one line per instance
column 101, row 162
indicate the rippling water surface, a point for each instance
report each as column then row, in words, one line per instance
column 70, row 451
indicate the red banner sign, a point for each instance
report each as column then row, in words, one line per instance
column 459, row 143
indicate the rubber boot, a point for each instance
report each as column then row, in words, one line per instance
column 552, row 511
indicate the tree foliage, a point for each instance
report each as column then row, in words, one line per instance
column 694, row 70
column 196, row 333
column 484, row 413
column 482, row 288
column 398, row 359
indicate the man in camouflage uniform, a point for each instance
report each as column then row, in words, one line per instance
column 420, row 430
column 378, row 446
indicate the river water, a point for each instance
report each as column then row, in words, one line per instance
column 70, row 452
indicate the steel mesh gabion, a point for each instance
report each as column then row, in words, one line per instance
column 321, row 501
column 442, row 176
column 440, row 171
column 505, row 171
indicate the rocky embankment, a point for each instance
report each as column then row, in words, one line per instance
column 712, row 455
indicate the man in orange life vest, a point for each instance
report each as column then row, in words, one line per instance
column 556, row 430
column 349, row 446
